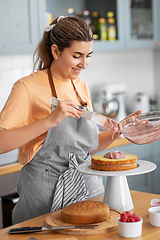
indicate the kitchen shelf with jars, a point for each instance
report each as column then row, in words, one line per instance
column 120, row 24
column 116, row 24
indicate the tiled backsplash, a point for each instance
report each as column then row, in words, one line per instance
column 132, row 67
column 12, row 68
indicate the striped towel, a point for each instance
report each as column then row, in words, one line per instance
column 70, row 186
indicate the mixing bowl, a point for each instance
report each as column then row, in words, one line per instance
column 142, row 129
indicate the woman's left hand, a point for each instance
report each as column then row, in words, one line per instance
column 118, row 133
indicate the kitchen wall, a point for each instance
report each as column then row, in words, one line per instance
column 135, row 68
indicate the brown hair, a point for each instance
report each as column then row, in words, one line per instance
column 65, row 31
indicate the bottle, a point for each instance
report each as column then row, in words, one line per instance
column 79, row 14
column 102, row 28
column 93, row 24
column 111, row 27
column 86, row 16
column 70, row 12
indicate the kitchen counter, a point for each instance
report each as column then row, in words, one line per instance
column 141, row 203
column 16, row 167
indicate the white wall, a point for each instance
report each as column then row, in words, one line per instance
column 11, row 69
column 135, row 68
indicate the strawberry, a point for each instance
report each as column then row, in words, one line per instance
column 128, row 213
column 136, row 217
column 124, row 217
column 131, row 219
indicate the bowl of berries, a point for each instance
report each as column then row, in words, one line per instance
column 130, row 225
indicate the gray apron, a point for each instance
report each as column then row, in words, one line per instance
column 37, row 179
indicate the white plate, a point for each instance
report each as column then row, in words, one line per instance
column 143, row 167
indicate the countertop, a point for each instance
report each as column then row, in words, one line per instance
column 16, row 167
column 141, row 202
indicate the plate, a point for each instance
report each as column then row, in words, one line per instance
column 142, row 167
column 54, row 220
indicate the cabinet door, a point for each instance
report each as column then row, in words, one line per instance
column 156, row 176
column 60, row 8
column 119, row 42
column 19, row 28
column 156, row 148
column 140, row 23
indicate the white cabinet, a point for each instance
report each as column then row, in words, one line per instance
column 142, row 24
column 21, row 23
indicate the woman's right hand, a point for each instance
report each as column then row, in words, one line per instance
column 64, row 109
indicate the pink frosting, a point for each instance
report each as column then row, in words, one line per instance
column 114, row 155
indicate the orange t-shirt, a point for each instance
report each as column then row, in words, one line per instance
column 29, row 101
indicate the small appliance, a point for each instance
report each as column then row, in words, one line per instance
column 110, row 101
column 141, row 101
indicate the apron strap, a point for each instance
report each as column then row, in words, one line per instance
column 84, row 104
column 54, row 94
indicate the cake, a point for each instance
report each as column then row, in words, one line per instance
column 85, row 212
column 114, row 161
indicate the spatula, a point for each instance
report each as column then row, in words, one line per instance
column 97, row 118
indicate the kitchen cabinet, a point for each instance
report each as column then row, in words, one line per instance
column 142, row 182
column 144, row 15
column 21, row 23
column 8, row 184
column 156, row 174
column 142, row 24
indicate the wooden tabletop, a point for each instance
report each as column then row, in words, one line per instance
column 141, row 202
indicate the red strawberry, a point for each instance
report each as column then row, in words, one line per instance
column 136, row 217
column 131, row 219
column 124, row 217
column 128, row 213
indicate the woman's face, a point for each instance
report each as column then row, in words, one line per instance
column 72, row 60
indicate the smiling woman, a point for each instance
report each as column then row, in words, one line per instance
column 52, row 142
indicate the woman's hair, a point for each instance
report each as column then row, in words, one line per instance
column 65, row 30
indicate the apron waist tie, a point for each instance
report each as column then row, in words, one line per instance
column 70, row 187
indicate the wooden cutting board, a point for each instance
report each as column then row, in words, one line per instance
column 54, row 220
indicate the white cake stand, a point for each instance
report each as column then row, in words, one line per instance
column 117, row 194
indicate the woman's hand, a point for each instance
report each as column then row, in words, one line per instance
column 64, row 109
column 134, row 115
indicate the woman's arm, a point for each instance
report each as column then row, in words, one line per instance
column 14, row 138
column 105, row 139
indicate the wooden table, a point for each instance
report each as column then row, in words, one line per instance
column 141, row 203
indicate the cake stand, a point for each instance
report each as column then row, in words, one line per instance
column 117, row 194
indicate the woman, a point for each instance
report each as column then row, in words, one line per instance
column 53, row 141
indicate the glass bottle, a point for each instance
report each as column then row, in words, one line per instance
column 86, row 16
column 94, row 19
column 70, row 12
column 111, row 27
column 102, row 28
